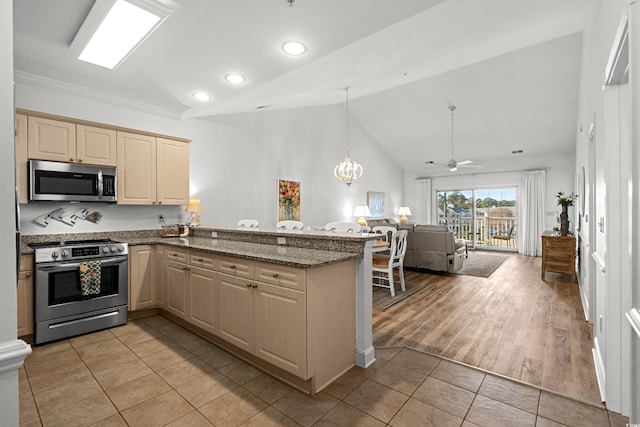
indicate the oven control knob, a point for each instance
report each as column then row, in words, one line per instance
column 105, row 250
column 54, row 254
column 120, row 248
column 113, row 249
column 65, row 254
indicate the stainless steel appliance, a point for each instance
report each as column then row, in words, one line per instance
column 56, row 181
column 62, row 309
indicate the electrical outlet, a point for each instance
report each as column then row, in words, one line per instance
column 214, row 234
column 161, row 219
column 282, row 241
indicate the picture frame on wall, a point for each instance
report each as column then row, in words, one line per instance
column 375, row 201
column 288, row 200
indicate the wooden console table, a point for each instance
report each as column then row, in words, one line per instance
column 558, row 254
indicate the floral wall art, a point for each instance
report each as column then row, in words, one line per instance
column 288, row 200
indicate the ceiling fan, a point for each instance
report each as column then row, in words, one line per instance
column 453, row 164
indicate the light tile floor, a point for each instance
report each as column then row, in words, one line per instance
column 152, row 372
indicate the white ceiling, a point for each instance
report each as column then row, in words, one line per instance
column 510, row 66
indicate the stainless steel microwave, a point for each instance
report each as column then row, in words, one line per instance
column 57, row 181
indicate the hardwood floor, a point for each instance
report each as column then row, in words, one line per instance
column 511, row 323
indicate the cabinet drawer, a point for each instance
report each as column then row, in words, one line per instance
column 559, row 256
column 281, row 275
column 202, row 259
column 235, row 266
column 177, row 255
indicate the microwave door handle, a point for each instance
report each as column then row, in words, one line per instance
column 100, row 185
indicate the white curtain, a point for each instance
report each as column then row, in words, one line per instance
column 531, row 216
column 424, row 208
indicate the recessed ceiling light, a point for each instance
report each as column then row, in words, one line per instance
column 112, row 30
column 236, row 79
column 293, row 48
column 201, row 96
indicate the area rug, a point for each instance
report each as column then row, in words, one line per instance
column 382, row 298
column 481, row 264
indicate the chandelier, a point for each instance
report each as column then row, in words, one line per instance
column 347, row 170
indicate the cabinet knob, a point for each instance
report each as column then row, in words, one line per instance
column 232, row 266
column 28, row 274
column 159, row 203
column 275, row 274
column 80, row 160
column 248, row 285
column 71, row 159
column 254, row 286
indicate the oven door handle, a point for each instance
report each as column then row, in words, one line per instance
column 69, row 265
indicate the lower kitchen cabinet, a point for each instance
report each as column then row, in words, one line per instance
column 235, row 311
column 202, row 284
column 142, row 277
column 177, row 287
column 161, row 277
column 280, row 321
column 25, row 296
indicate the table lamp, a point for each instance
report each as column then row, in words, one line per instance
column 403, row 211
column 362, row 212
column 194, row 207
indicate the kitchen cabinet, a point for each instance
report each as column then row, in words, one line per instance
column 49, row 139
column 265, row 320
column 25, row 296
column 161, row 279
column 142, row 277
column 177, row 287
column 96, row 146
column 22, row 159
column 152, row 171
column 203, row 286
column 61, row 141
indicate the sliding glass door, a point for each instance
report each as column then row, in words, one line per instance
column 485, row 217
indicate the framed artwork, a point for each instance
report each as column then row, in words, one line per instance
column 288, row 200
column 375, row 200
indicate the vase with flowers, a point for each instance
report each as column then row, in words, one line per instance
column 565, row 201
column 289, row 200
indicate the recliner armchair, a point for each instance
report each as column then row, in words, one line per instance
column 432, row 247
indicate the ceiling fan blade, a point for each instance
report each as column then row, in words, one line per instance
column 467, row 165
column 465, row 162
column 432, row 163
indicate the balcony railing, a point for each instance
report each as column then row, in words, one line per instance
column 484, row 230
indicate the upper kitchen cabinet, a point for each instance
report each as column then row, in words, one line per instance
column 22, row 159
column 62, row 141
column 172, row 172
column 96, row 146
column 51, row 140
column 152, row 171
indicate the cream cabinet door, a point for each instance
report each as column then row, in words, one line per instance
column 204, row 295
column 235, row 311
column 136, row 169
column 161, row 278
column 96, row 146
column 280, row 327
column 51, row 140
column 142, row 277
column 172, row 172
column 177, row 289
column 22, row 165
column 25, row 296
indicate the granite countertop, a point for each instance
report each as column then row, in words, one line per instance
column 277, row 254
column 320, row 248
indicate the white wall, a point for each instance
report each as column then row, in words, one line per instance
column 559, row 177
column 235, row 164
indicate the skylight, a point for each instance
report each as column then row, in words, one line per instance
column 113, row 30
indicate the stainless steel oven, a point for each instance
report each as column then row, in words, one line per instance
column 63, row 306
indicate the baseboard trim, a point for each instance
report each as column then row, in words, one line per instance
column 12, row 355
column 600, row 371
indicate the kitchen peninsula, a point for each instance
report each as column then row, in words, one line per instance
column 291, row 302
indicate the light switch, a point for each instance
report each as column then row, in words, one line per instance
column 282, row 241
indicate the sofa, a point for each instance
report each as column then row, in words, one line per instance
column 432, row 247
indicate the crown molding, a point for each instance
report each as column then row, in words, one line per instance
column 83, row 92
